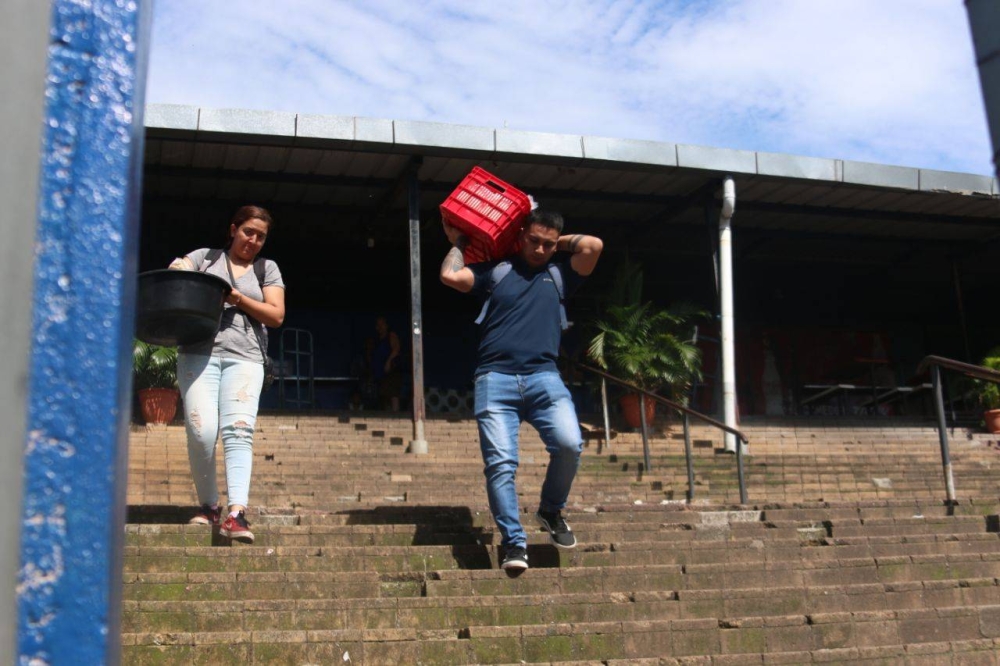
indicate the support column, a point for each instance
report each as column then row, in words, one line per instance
column 956, row 279
column 85, row 256
column 726, row 300
column 23, row 41
column 713, row 243
column 419, row 444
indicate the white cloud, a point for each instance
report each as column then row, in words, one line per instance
column 890, row 81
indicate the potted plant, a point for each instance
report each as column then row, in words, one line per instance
column 154, row 372
column 988, row 393
column 650, row 347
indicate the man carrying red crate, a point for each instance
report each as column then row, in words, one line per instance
column 516, row 378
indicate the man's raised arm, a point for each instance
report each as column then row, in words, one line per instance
column 453, row 270
column 586, row 251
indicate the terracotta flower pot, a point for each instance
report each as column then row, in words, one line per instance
column 992, row 419
column 629, row 404
column 158, row 405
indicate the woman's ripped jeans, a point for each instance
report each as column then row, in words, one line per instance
column 220, row 396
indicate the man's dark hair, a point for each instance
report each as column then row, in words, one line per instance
column 545, row 218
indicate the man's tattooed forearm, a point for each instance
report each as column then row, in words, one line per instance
column 454, row 260
column 574, row 241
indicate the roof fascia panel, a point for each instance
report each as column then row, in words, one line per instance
column 177, row 117
column 717, row 159
column 881, row 175
column 441, row 135
column 247, row 122
column 338, row 129
column 796, row 166
column 373, row 132
column 604, row 149
column 540, row 144
column 950, row 181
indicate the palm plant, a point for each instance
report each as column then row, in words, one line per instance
column 153, row 366
column 988, row 393
column 651, row 347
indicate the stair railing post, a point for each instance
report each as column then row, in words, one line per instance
column 645, row 431
column 687, row 455
column 949, row 479
column 739, row 470
column 604, row 406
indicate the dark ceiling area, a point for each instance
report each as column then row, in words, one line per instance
column 805, row 252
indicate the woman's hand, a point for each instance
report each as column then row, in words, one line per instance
column 181, row 264
column 234, row 298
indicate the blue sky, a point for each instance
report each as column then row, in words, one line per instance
column 889, row 81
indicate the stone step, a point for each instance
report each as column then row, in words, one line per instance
column 464, row 571
column 348, row 465
column 301, row 456
column 674, row 529
column 448, row 612
column 945, row 632
column 690, row 550
column 848, row 551
column 973, row 515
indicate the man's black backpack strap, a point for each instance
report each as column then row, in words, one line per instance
column 502, row 270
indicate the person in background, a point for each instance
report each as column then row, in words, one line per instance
column 516, row 378
column 365, row 394
column 385, row 365
column 221, row 378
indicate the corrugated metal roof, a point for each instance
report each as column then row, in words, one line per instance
column 356, row 163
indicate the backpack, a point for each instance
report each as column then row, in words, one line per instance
column 258, row 269
column 502, row 270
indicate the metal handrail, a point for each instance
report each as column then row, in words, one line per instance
column 688, row 414
column 975, row 371
column 934, row 364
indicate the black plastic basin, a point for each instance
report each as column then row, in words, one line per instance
column 179, row 307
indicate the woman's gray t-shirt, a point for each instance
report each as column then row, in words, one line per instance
column 236, row 337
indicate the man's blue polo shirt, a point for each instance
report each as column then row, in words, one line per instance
column 521, row 332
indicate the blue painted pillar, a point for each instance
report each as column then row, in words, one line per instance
column 69, row 582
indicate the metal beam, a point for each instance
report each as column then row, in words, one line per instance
column 419, row 444
column 673, row 205
column 803, row 210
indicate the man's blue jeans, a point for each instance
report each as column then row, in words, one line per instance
column 502, row 403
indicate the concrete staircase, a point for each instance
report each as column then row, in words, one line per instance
column 364, row 554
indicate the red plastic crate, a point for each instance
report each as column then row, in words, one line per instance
column 489, row 212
